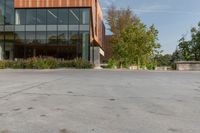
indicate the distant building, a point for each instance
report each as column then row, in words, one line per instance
column 64, row 29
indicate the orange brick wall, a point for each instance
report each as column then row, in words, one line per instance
column 96, row 22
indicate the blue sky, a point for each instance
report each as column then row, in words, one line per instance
column 172, row 18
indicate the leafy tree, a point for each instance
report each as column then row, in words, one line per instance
column 190, row 50
column 195, row 43
column 185, row 48
column 133, row 42
column 164, row 60
column 136, row 45
column 118, row 20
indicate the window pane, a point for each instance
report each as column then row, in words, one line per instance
column 52, row 16
column 41, row 37
column 63, row 37
column 30, row 37
column 85, row 16
column 9, row 53
column 2, row 9
column 20, row 16
column 41, row 16
column 9, row 36
column 85, row 41
column 9, row 28
column 74, row 16
column 63, row 15
column 74, row 38
column 1, row 36
column 20, row 37
column 9, row 20
column 19, row 28
column 52, row 37
column 31, row 16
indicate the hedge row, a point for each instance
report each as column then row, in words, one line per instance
column 45, row 63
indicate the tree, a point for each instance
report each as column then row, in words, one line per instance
column 164, row 60
column 190, row 50
column 118, row 20
column 136, row 44
column 185, row 48
column 195, row 43
column 133, row 42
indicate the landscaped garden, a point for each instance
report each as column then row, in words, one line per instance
column 45, row 63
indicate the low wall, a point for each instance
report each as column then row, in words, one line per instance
column 188, row 65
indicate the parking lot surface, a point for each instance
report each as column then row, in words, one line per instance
column 99, row 101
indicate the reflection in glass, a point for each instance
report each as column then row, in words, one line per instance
column 63, row 16
column 20, row 17
column 9, row 37
column 41, row 37
column 41, row 16
column 30, row 37
column 20, row 37
column 52, row 16
column 74, row 16
column 85, row 41
column 52, row 37
column 1, row 36
column 31, row 16
column 2, row 10
column 84, row 16
column 63, row 38
column 63, row 33
column 73, row 38
column 9, row 19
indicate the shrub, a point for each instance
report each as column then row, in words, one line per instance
column 112, row 63
column 41, row 63
column 2, row 64
column 45, row 63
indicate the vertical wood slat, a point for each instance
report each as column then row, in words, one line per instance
column 52, row 3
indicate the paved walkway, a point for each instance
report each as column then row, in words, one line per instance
column 99, row 101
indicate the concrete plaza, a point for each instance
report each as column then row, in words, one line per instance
column 99, row 101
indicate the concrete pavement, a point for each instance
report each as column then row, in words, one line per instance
column 99, row 101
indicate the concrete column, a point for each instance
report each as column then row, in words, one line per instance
column 95, row 56
column 1, row 51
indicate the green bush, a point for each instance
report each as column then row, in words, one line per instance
column 2, row 64
column 42, row 63
column 45, row 63
column 112, row 63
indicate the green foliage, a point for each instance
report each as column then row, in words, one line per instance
column 42, row 63
column 133, row 43
column 45, row 63
column 3, row 64
column 164, row 60
column 151, row 66
column 190, row 50
column 112, row 63
column 136, row 45
column 185, row 48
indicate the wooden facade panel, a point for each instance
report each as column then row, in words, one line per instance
column 52, row 3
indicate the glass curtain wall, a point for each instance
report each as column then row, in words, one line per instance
column 2, row 16
column 59, row 32
column 9, row 29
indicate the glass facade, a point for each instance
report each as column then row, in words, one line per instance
column 58, row 32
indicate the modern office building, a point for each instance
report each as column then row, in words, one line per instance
column 65, row 29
